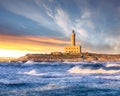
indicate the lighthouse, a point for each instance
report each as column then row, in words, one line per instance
column 73, row 49
column 73, row 38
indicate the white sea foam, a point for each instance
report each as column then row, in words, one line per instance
column 30, row 62
column 33, row 72
column 50, row 87
column 79, row 70
column 112, row 65
column 43, row 62
column 66, row 62
column 4, row 81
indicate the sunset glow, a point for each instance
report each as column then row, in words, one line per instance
column 16, row 46
column 44, row 26
column 11, row 53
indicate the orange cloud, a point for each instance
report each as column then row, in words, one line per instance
column 32, row 43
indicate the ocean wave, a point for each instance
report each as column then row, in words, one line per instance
column 109, row 77
column 30, row 62
column 43, row 62
column 112, row 65
column 78, row 70
column 22, row 92
column 11, row 82
column 4, row 81
column 67, row 62
column 33, row 72
column 50, row 87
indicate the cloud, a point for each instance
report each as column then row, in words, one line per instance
column 51, row 0
column 32, row 43
column 114, row 43
column 96, row 23
column 86, row 14
column 63, row 20
column 36, row 13
column 29, row 10
column 78, row 26
column 118, row 9
column 84, row 27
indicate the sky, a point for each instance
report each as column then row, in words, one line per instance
column 44, row 26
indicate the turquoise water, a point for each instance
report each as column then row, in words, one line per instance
column 60, row 79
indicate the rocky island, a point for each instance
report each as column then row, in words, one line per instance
column 86, row 57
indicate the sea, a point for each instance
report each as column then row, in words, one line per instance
column 60, row 78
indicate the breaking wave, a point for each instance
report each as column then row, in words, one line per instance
column 33, row 72
column 30, row 62
column 66, row 62
column 78, row 70
column 11, row 82
column 51, row 87
column 39, row 89
column 4, row 81
column 112, row 65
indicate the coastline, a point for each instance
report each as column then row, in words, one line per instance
column 84, row 57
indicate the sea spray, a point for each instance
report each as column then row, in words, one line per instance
column 33, row 72
column 59, row 79
column 112, row 65
column 79, row 70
